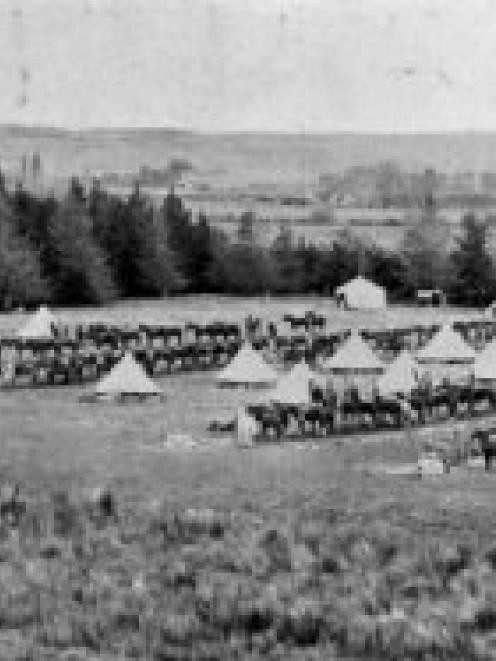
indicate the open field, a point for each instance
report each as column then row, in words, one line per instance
column 209, row 552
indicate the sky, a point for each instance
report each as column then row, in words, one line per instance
column 250, row 65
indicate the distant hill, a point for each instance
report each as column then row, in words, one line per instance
column 243, row 157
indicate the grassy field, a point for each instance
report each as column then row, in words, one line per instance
column 206, row 551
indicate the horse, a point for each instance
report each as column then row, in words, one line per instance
column 486, row 440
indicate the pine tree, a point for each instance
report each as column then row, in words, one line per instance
column 287, row 263
column 246, row 231
column 73, row 261
column 473, row 279
column 21, row 280
column 425, row 260
column 134, row 238
column 242, row 270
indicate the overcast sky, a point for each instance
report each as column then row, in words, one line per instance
column 289, row 65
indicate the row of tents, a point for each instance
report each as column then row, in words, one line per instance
column 355, row 358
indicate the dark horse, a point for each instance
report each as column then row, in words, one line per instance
column 486, row 440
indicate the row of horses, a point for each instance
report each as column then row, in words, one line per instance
column 167, row 349
column 326, row 415
column 80, row 368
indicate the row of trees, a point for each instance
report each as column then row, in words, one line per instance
column 93, row 247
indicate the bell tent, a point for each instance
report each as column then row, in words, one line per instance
column 39, row 325
column 126, row 379
column 447, row 356
column 294, row 387
column 400, row 376
column 249, row 369
column 354, row 356
column 447, row 346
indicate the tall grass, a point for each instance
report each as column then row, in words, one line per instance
column 90, row 574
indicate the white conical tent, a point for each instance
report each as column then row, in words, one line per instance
column 248, row 368
column 294, row 387
column 354, row 355
column 126, row 378
column 485, row 363
column 400, row 375
column 447, row 346
column 39, row 325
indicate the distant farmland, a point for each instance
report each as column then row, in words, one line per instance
column 384, row 227
column 265, row 232
column 316, row 222
column 243, row 159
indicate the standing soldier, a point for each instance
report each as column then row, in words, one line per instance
column 246, row 428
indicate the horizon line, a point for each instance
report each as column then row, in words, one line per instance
column 246, row 131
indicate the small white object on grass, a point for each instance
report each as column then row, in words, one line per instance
column 179, row 441
column 138, row 583
column 476, row 462
column 430, row 464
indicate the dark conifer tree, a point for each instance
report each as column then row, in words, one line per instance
column 473, row 277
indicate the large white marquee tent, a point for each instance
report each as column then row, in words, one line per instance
column 361, row 293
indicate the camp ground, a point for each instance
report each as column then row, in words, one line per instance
column 316, row 380
column 195, row 426
column 72, row 353
column 248, row 330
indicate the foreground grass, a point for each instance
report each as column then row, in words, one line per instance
column 284, row 563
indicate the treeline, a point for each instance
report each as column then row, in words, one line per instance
column 93, row 247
